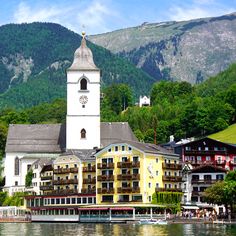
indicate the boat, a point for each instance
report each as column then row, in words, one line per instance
column 153, row 222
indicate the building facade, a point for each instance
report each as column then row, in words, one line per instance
column 209, row 151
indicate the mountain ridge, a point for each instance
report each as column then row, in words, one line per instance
column 188, row 50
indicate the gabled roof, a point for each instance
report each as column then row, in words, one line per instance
column 51, row 138
column 37, row 138
column 208, row 169
column 207, row 139
column 144, row 147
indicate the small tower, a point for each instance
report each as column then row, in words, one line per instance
column 83, row 101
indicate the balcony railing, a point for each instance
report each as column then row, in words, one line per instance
column 205, row 181
column 89, row 169
column 105, row 165
column 105, row 191
column 126, row 164
column 46, row 187
column 204, row 152
column 197, row 193
column 135, row 164
column 168, row 190
column 88, row 191
column 124, row 177
column 124, row 190
column 89, row 181
column 105, row 177
column 135, row 176
column 65, row 170
column 65, row 181
column 64, row 191
column 172, row 178
column 171, row 166
column 46, row 177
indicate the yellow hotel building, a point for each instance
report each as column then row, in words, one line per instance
column 130, row 172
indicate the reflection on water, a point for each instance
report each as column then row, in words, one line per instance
column 90, row 229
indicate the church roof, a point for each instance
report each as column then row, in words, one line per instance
column 83, row 58
column 51, row 138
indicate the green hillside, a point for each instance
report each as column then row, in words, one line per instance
column 228, row 135
column 34, row 58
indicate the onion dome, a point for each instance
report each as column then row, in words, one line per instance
column 83, row 57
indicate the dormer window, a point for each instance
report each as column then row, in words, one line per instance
column 83, row 84
column 83, row 133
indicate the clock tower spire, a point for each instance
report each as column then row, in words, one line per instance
column 83, row 101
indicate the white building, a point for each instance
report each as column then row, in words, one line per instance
column 144, row 101
column 197, row 180
column 83, row 130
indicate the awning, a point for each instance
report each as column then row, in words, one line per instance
column 190, row 207
column 93, row 209
column 122, row 209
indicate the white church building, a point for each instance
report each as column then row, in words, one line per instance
column 83, row 130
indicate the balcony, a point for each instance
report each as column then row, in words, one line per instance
column 135, row 176
column 172, row 178
column 197, row 193
column 168, row 190
column 205, row 181
column 89, row 181
column 126, row 164
column 65, row 181
column 65, row 170
column 204, row 152
column 88, row 191
column 124, row 177
column 105, row 165
column 124, row 190
column 46, row 187
column 105, row 191
column 46, row 177
column 171, row 166
column 65, row 192
column 105, row 178
column 135, row 164
column 89, row 169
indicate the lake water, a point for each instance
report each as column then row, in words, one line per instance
column 67, row 229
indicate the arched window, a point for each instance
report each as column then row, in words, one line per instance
column 83, row 133
column 17, row 166
column 83, row 84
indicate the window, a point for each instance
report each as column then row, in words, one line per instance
column 16, row 183
column 135, row 171
column 157, row 173
column 157, row 185
column 83, row 133
column 208, row 158
column 199, row 158
column 206, row 148
column 135, row 159
column 156, row 160
column 219, row 177
column 36, row 166
column 109, row 150
column 116, row 148
column 150, row 198
column 149, row 185
column 17, row 163
column 67, row 166
column 75, row 165
column 123, row 148
column 130, row 148
column 83, row 84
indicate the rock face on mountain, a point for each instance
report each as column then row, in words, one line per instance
column 187, row 51
column 34, row 58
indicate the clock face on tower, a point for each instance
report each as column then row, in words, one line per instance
column 83, row 99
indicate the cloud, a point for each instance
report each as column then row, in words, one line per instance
column 96, row 16
column 25, row 14
column 199, row 10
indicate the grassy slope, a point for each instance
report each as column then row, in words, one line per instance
column 228, row 135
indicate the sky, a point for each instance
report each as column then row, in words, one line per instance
column 100, row 16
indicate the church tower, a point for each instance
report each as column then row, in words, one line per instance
column 83, row 101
